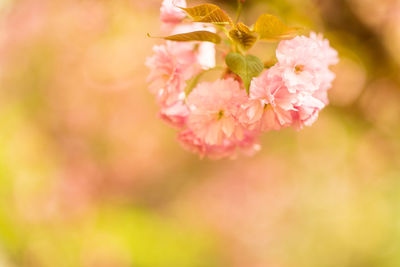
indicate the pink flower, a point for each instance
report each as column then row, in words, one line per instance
column 170, row 67
column 170, row 11
column 292, row 92
column 305, row 61
column 270, row 102
column 217, row 119
column 214, row 107
column 296, row 58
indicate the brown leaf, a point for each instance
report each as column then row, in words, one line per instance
column 208, row 13
column 202, row 36
column 242, row 35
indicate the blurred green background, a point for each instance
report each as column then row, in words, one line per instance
column 89, row 176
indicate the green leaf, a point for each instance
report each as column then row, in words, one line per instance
column 246, row 67
column 192, row 83
column 208, row 13
column 243, row 36
column 271, row 28
column 203, row 36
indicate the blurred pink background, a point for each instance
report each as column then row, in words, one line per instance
column 89, row 176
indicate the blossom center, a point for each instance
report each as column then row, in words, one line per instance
column 267, row 106
column 299, row 68
column 220, row 114
column 165, row 77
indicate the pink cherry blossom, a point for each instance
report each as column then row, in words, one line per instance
column 214, row 107
column 218, row 119
column 305, row 61
column 170, row 67
column 171, row 12
column 270, row 102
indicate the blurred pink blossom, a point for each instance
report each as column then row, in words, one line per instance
column 170, row 67
column 170, row 11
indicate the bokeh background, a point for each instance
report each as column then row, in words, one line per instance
column 90, row 177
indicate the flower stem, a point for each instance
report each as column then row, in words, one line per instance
column 239, row 11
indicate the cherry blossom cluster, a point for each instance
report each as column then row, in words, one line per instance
column 219, row 119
